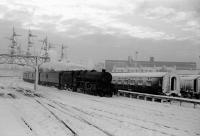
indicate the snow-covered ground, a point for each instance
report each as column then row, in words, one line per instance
column 53, row 112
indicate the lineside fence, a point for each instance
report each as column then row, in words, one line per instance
column 159, row 98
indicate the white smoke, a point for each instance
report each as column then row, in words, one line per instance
column 90, row 64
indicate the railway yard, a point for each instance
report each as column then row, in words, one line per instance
column 53, row 112
column 100, row 68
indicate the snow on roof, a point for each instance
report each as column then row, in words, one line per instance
column 61, row 66
column 149, row 74
column 189, row 77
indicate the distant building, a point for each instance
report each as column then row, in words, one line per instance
column 142, row 69
column 153, row 65
column 99, row 66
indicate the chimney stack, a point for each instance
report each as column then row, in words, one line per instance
column 151, row 59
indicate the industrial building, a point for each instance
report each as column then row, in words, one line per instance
column 150, row 65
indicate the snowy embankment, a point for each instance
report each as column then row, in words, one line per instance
column 53, row 112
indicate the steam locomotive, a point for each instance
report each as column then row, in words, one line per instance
column 90, row 82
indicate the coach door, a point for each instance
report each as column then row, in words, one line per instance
column 173, row 83
column 196, row 85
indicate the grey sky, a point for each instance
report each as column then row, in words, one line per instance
column 108, row 29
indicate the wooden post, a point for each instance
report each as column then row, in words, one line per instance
column 117, row 93
column 194, row 105
column 36, row 73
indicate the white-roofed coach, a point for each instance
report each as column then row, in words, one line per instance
column 161, row 83
column 190, row 86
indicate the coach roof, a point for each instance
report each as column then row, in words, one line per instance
column 148, row 74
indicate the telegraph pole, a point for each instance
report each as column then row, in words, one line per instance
column 19, row 50
column 62, row 52
column 30, row 43
column 36, row 73
column 13, row 45
column 136, row 56
column 45, row 47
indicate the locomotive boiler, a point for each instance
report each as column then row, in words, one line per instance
column 92, row 82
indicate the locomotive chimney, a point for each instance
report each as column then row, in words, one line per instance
column 103, row 70
column 151, row 59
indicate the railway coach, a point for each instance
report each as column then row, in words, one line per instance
column 160, row 83
column 190, row 86
column 29, row 76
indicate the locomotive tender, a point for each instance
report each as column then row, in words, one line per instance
column 160, row 83
column 91, row 82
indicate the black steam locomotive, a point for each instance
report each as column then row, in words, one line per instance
column 90, row 82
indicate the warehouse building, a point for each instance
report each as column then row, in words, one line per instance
column 151, row 64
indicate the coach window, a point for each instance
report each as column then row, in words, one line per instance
column 148, row 83
column 173, row 83
column 195, row 85
column 140, row 82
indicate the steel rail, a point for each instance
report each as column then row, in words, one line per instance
column 160, row 97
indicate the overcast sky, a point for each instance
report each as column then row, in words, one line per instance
column 108, row 29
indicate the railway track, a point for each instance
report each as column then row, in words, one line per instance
column 110, row 117
column 48, row 105
column 55, row 107
column 32, row 132
column 63, row 112
column 68, row 112
column 22, row 93
column 58, row 119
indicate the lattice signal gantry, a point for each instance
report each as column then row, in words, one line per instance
column 22, row 60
